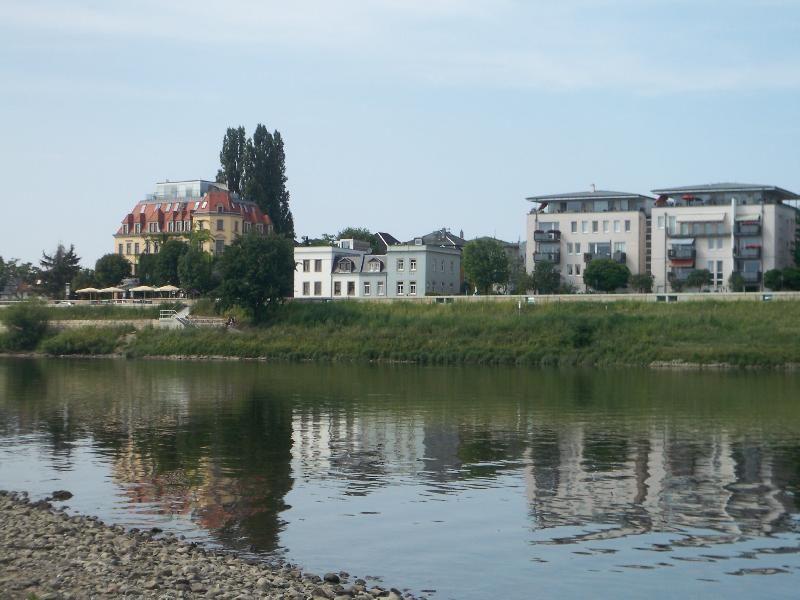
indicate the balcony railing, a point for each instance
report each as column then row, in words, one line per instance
column 747, row 228
column 749, row 252
column 590, row 256
column 552, row 235
column 681, row 253
column 551, row 257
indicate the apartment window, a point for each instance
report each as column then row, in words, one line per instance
column 127, row 247
column 120, row 248
column 147, row 247
column 577, row 247
column 318, row 288
column 569, row 269
column 374, row 266
column 125, row 229
column 412, row 288
column 219, row 208
column 710, row 265
column 306, row 265
column 569, row 247
column 366, row 288
column 400, row 264
column 137, row 228
column 380, row 288
column 605, row 226
column 400, row 288
column 619, row 246
column 671, row 221
column 595, row 227
column 337, row 288
column 306, row 288
column 236, row 226
column 578, row 270
column 318, row 265
column 351, row 288
column 616, row 226
column 170, row 226
column 711, row 244
column 187, row 226
column 584, row 226
column 627, row 224
column 220, row 225
column 136, row 248
column 573, row 226
column 219, row 246
column 719, row 243
column 412, row 264
column 200, row 224
column 152, row 227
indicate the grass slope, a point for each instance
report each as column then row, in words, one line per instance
column 622, row 333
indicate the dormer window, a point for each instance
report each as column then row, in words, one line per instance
column 125, row 229
column 374, row 266
column 137, row 228
column 346, row 266
column 219, row 208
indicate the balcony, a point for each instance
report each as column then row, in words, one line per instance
column 551, row 257
column 751, row 276
column 553, row 235
column 749, row 251
column 681, row 253
column 747, row 228
column 590, row 256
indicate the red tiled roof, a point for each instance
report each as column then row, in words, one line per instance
column 249, row 212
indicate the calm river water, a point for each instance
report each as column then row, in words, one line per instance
column 475, row 483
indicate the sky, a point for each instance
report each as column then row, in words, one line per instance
column 402, row 116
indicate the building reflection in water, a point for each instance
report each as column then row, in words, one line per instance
column 224, row 444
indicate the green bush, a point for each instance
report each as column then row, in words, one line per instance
column 86, row 340
column 26, row 324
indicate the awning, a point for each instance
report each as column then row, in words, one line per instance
column 682, row 242
column 701, row 218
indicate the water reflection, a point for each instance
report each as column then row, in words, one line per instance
column 598, row 455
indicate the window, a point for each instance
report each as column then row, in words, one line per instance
column 170, row 226
column 619, row 246
column 442, row 265
column 187, row 226
column 671, row 223
column 219, row 208
column 120, row 248
column 205, row 203
column 147, row 247
column 400, row 264
column 127, row 247
column 200, row 225
column 137, row 228
column 577, row 247
column 125, row 229
column 136, row 248
column 412, row 288
column 412, row 264
column 219, row 246
column 400, row 288
column 318, row 288
column 569, row 269
column 346, row 266
column 380, row 288
column 719, row 243
column 594, row 227
column 220, row 225
column 627, row 224
column 318, row 265
column 710, row 266
column 366, row 288
column 153, row 227
column 168, row 207
column 616, row 226
column 711, row 244
column 306, row 288
column 351, row 288
column 374, row 266
column 660, row 222
column 584, row 226
column 605, row 226
column 337, row 288
column 306, row 265
column 578, row 270
column 569, row 247
column 573, row 226
column 236, row 226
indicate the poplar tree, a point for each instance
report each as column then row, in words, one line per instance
column 232, row 159
column 59, row 269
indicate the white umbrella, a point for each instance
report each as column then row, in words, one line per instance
column 88, row 290
column 111, row 290
column 167, row 288
column 143, row 288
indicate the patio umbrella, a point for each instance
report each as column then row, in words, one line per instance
column 87, row 290
column 111, row 290
column 143, row 288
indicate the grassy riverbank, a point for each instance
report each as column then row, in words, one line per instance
column 622, row 333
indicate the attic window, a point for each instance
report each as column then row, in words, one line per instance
column 219, row 208
column 168, row 207
column 205, row 203
column 197, row 205
column 346, row 266
column 144, row 206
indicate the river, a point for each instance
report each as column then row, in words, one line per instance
column 453, row 482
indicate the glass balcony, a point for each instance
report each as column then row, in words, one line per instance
column 748, row 252
column 551, row 257
column 681, row 253
column 552, row 235
column 747, row 228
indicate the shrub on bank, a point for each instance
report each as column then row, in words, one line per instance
column 26, row 324
column 86, row 340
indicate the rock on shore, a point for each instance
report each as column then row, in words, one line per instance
column 47, row 553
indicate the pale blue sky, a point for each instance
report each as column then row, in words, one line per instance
column 398, row 115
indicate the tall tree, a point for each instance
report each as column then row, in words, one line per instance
column 165, row 270
column 110, row 269
column 257, row 273
column 362, row 234
column 232, row 159
column 545, row 278
column 485, row 263
column 606, row 275
column 59, row 269
column 195, row 270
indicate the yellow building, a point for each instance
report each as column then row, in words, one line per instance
column 180, row 207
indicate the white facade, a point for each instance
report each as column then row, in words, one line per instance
column 746, row 230
column 314, row 266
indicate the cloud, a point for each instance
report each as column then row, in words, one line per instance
column 644, row 46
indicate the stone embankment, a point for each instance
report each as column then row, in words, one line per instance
column 47, row 554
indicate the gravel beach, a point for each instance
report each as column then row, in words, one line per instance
column 47, row 554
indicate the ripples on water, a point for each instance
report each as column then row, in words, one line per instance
column 474, row 483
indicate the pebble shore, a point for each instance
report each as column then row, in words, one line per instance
column 47, row 554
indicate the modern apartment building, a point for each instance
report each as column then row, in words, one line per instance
column 180, row 207
column 349, row 270
column 724, row 228
column 571, row 230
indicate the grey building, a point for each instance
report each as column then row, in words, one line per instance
column 422, row 270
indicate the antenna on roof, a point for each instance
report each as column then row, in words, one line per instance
column 594, row 188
